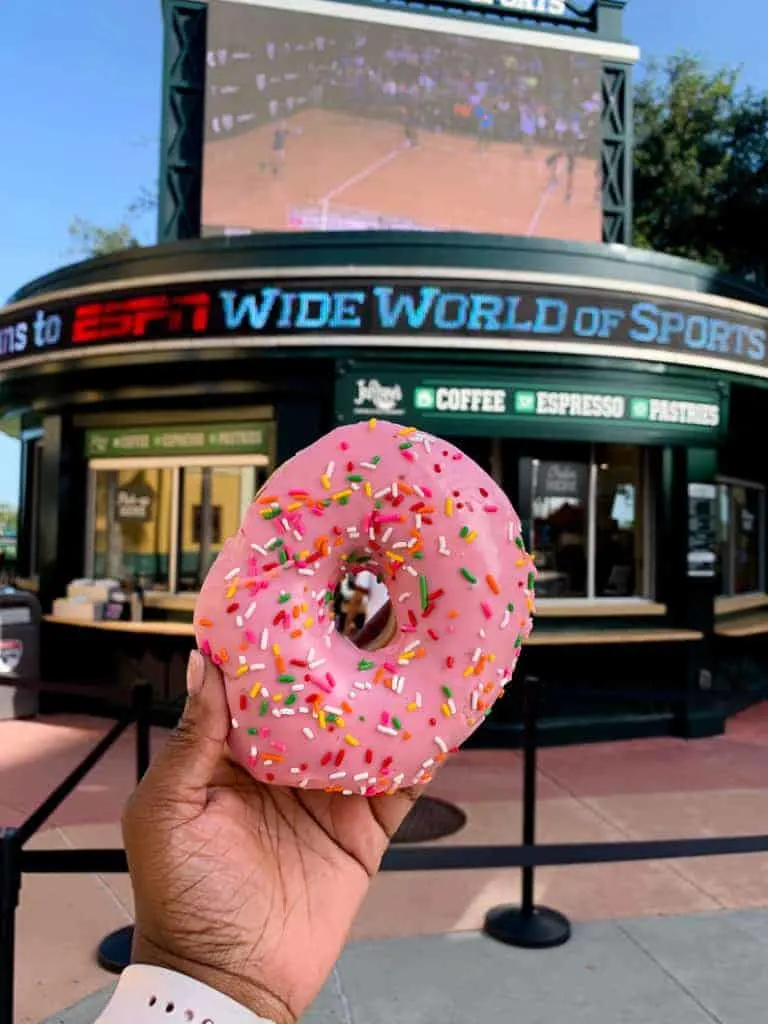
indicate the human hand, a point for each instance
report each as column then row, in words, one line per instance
column 249, row 888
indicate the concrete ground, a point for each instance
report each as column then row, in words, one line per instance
column 642, row 789
column 678, row 970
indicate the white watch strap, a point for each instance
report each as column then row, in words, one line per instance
column 147, row 993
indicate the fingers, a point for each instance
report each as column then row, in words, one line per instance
column 184, row 768
column 391, row 810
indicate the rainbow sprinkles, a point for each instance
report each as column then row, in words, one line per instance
column 309, row 709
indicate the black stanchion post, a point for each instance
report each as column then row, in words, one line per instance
column 10, row 887
column 528, row 926
column 114, row 953
column 142, row 706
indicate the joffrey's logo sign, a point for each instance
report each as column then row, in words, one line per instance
column 372, row 394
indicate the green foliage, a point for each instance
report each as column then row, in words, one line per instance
column 701, row 165
column 8, row 527
column 89, row 239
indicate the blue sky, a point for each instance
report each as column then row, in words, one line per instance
column 81, row 100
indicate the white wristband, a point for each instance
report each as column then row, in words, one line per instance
column 147, row 993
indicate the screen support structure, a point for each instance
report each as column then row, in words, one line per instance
column 183, row 116
column 616, row 153
column 183, row 120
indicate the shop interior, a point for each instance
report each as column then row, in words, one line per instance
column 587, row 512
column 162, row 522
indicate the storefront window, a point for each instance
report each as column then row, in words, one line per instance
column 165, row 526
column 132, row 525
column 559, row 524
column 619, row 521
column 723, row 575
column 587, row 521
column 164, row 499
column 212, row 502
column 740, row 550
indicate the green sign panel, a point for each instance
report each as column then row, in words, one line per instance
column 536, row 403
column 206, row 439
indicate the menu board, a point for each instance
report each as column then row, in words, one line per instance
column 133, row 502
column 567, row 480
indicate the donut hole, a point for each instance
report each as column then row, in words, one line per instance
column 362, row 608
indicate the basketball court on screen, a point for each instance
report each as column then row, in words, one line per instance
column 344, row 171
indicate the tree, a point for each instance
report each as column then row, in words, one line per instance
column 88, row 239
column 701, row 165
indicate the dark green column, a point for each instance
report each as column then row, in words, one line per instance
column 25, row 539
column 700, row 590
column 62, row 496
column 701, row 717
column 301, row 419
column 671, row 530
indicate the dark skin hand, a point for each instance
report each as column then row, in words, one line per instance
column 249, row 888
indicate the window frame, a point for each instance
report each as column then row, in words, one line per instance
column 729, row 590
column 176, row 465
column 648, row 576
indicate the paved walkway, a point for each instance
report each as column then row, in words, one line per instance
column 644, row 789
column 680, row 970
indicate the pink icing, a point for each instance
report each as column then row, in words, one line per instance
column 447, row 543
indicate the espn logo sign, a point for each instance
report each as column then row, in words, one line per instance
column 141, row 317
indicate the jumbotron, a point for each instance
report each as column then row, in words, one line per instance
column 553, row 8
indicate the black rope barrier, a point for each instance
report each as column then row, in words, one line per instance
column 450, row 858
column 10, row 888
column 38, row 818
column 622, row 696
column 548, row 855
column 14, row 860
column 110, row 861
column 114, row 952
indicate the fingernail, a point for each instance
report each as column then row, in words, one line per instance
column 195, row 673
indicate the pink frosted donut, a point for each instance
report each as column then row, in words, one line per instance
column 309, row 708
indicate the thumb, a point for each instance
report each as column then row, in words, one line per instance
column 185, row 766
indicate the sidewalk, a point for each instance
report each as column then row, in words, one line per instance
column 643, row 789
column 689, row 970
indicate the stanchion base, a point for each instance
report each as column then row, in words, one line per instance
column 115, row 950
column 429, row 819
column 542, row 929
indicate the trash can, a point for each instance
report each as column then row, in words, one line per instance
column 19, row 653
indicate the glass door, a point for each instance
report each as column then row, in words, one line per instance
column 619, row 521
column 164, row 521
column 132, row 525
column 746, row 538
column 558, row 499
column 212, row 503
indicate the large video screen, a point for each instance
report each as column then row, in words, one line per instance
column 322, row 115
